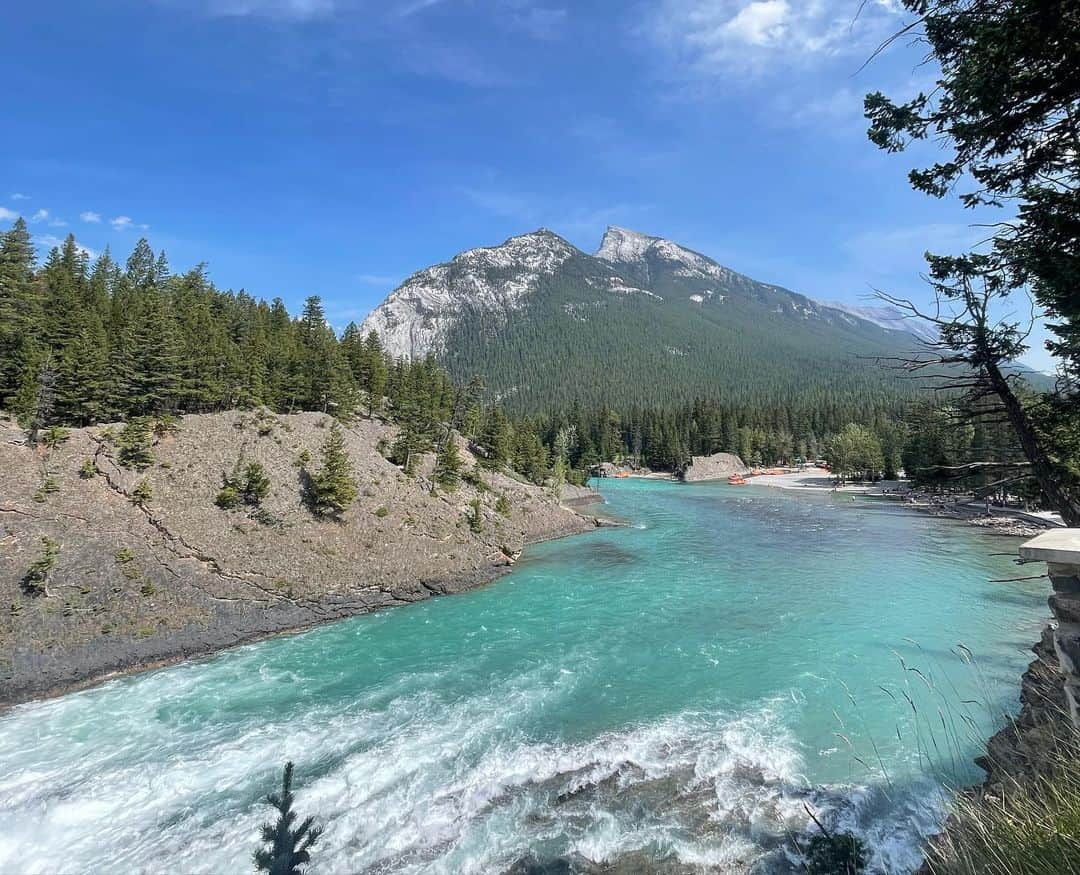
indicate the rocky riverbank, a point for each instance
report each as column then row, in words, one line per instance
column 136, row 585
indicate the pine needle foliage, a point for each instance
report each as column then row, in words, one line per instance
column 36, row 579
column 248, row 485
column 287, row 848
column 142, row 493
column 448, row 466
column 134, row 444
column 333, row 488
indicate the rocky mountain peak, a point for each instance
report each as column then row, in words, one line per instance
column 416, row 317
column 634, row 250
column 623, row 246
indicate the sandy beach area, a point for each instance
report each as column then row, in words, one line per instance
column 1006, row 521
column 820, row 480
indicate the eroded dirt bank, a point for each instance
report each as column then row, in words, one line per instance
column 133, row 586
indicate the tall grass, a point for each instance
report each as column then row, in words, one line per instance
column 1028, row 820
column 1022, row 826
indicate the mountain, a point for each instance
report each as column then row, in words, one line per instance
column 644, row 320
column 889, row 317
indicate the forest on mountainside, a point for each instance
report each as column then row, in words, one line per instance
column 82, row 343
column 570, row 342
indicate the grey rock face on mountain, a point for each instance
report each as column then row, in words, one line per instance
column 177, row 576
column 641, row 253
column 416, row 317
column 889, row 317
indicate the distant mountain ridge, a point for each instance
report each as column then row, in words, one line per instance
column 642, row 320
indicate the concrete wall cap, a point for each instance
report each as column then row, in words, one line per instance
column 1061, row 546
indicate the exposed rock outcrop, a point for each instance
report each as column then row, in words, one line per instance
column 134, row 585
column 1018, row 752
column 718, row 466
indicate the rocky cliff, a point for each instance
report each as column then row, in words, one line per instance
column 133, row 585
column 718, row 466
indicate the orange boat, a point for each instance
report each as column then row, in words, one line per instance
column 736, row 480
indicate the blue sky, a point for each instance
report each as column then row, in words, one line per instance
column 333, row 147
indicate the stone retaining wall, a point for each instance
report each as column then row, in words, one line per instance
column 1060, row 550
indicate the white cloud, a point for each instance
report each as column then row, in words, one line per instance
column 50, row 241
column 7, row 215
column 539, row 22
column 19, row 196
column 741, row 38
column 40, row 216
column 372, row 279
column 899, row 251
column 57, row 223
column 121, row 223
column 565, row 216
column 414, row 6
column 761, row 23
column 281, row 9
column 300, row 10
column 90, row 216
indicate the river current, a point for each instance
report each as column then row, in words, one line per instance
column 666, row 696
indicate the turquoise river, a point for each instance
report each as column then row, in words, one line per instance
column 669, row 696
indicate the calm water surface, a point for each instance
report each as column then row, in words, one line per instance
column 673, row 691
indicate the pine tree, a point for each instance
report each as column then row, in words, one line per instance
column 448, row 465
column 495, row 439
column 19, row 303
column 333, row 488
column 134, row 443
column 33, row 403
column 83, row 373
column 140, row 271
column 287, row 849
column 159, row 359
column 36, row 579
column 142, row 493
column 375, row 373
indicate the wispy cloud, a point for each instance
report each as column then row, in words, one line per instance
column 412, row 7
column 745, row 39
column 121, row 223
column 279, row 9
column 456, row 63
column 51, row 241
column 91, row 216
column 373, row 279
column 340, row 313
column 7, row 215
column 19, row 196
column 563, row 215
column 539, row 22
column 893, row 251
column 40, row 216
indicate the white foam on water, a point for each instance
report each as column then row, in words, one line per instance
column 112, row 781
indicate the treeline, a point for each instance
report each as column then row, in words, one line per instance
column 928, row 441
column 767, row 431
column 82, row 343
